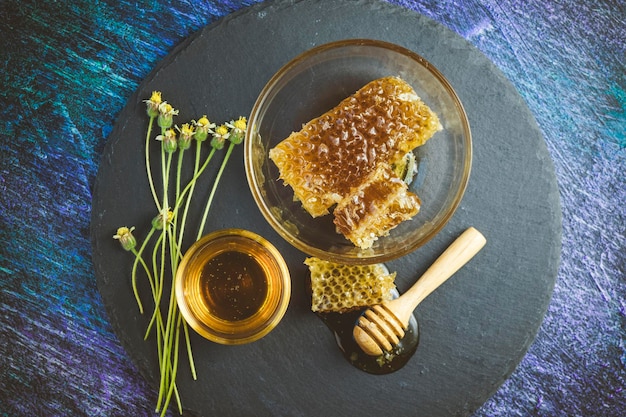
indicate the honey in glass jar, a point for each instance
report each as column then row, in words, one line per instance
column 233, row 286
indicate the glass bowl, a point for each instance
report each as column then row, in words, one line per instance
column 313, row 83
column 233, row 286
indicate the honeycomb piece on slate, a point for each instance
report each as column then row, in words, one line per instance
column 340, row 288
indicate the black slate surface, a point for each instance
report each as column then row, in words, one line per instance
column 474, row 329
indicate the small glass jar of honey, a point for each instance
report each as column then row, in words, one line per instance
column 233, row 286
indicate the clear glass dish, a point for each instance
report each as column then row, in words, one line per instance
column 315, row 82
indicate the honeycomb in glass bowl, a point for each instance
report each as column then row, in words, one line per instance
column 378, row 204
column 340, row 288
column 332, row 155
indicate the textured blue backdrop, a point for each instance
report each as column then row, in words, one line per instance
column 66, row 72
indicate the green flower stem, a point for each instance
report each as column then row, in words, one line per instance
column 181, row 231
column 190, row 189
column 191, row 186
column 165, row 169
column 167, row 369
column 164, row 371
column 156, row 317
column 172, row 335
column 214, row 189
column 159, row 338
column 179, row 165
column 148, row 168
column 192, row 182
column 172, row 385
column 181, row 154
column 161, row 246
column 192, row 365
column 165, row 165
column 155, row 268
column 157, row 298
column 139, row 259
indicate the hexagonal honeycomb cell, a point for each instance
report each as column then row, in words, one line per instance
column 340, row 288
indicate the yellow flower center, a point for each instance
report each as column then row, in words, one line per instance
column 122, row 231
column 240, row 123
column 222, row 130
column 156, row 97
column 186, row 130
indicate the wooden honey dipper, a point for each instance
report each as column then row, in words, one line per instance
column 382, row 326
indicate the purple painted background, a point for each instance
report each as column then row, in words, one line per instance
column 67, row 70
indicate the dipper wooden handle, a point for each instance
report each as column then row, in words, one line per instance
column 382, row 326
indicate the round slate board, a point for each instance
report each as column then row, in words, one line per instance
column 474, row 329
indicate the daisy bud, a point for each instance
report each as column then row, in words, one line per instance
column 166, row 115
column 237, row 130
column 169, row 140
column 152, row 105
column 203, row 128
column 126, row 238
column 186, row 134
column 157, row 222
column 220, row 136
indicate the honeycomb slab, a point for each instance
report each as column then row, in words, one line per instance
column 378, row 204
column 332, row 155
column 340, row 288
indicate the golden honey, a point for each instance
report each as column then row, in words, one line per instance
column 233, row 286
